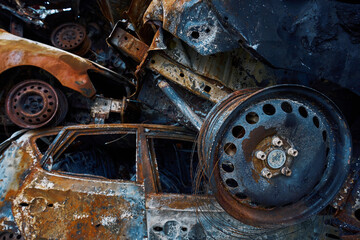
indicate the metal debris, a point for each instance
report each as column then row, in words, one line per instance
column 165, row 119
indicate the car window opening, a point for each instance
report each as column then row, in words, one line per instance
column 111, row 156
column 177, row 163
column 43, row 143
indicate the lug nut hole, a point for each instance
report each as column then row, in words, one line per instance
column 269, row 109
column 231, row 183
column 238, row 131
column 316, row 122
column 227, row 167
column 303, row 112
column 230, row 149
column 286, row 107
column 252, row 118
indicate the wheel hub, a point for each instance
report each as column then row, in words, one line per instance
column 273, row 156
column 71, row 37
column 32, row 103
column 276, row 158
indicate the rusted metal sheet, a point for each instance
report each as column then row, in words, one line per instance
column 175, row 216
column 348, row 213
column 135, row 14
column 168, row 68
column 236, row 69
column 195, row 22
column 54, row 206
column 130, row 45
column 186, row 78
column 15, row 163
column 69, row 69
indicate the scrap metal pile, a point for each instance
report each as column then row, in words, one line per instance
column 165, row 119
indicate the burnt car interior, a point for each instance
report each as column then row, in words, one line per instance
column 177, row 164
column 165, row 119
column 111, row 156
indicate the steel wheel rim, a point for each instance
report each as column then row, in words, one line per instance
column 253, row 215
column 32, row 103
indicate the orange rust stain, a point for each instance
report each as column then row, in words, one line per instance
column 68, row 215
column 65, row 67
column 255, row 175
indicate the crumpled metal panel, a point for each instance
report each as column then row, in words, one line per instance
column 68, row 68
column 316, row 37
column 194, row 22
column 14, row 162
column 68, row 207
column 200, row 217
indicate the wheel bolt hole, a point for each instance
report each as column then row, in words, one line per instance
column 231, row 183
column 316, row 122
column 252, row 118
column 230, row 149
column 303, row 112
column 269, row 109
column 286, row 107
column 238, row 131
column 227, row 167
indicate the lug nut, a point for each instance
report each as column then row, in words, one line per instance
column 286, row 171
column 260, row 155
column 266, row 173
column 292, row 152
column 277, row 142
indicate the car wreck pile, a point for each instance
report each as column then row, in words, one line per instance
column 165, row 119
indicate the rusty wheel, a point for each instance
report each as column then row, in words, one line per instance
column 33, row 104
column 71, row 37
column 275, row 156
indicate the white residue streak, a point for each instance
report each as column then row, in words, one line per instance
column 106, row 221
column 80, row 216
column 46, row 184
column 125, row 215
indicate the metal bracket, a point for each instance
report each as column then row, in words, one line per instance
column 102, row 107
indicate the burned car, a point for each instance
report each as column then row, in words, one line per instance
column 119, row 181
column 39, row 83
column 270, row 144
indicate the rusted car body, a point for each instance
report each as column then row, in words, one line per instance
column 40, row 202
column 69, row 69
column 143, row 181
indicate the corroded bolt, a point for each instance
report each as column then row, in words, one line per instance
column 277, row 142
column 292, row 152
column 286, row 171
column 260, row 155
column 266, row 173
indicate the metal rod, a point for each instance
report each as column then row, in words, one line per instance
column 180, row 104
